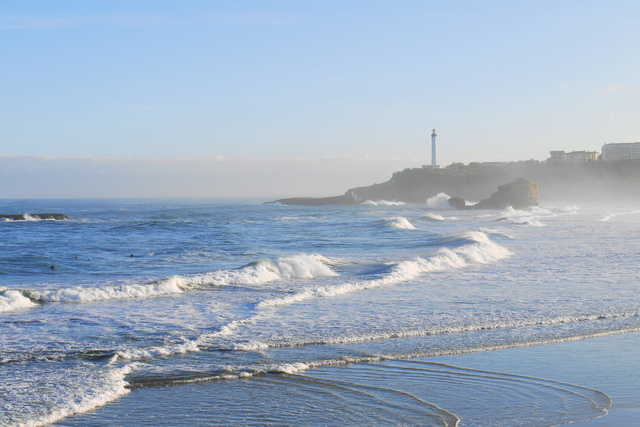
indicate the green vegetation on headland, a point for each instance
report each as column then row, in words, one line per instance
column 560, row 181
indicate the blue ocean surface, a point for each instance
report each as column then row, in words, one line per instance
column 138, row 297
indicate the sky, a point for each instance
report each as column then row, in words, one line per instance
column 288, row 98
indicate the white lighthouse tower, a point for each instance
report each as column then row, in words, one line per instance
column 433, row 164
column 433, row 149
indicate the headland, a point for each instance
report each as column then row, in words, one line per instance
column 594, row 181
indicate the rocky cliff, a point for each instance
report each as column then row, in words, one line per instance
column 518, row 194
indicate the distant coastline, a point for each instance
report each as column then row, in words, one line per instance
column 557, row 181
column 583, row 182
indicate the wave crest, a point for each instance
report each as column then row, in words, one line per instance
column 382, row 203
column 440, row 201
column 434, row 217
column 302, row 266
column 13, row 300
column 479, row 250
column 400, row 222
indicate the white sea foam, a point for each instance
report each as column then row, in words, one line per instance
column 189, row 346
column 434, row 217
column 298, row 266
column 303, row 266
column 540, row 211
column 298, row 218
column 441, row 201
column 26, row 217
column 252, row 345
column 609, row 216
column 521, row 217
column 400, row 222
column 382, row 203
column 435, row 329
column 481, row 251
column 493, row 231
column 67, row 391
column 289, row 368
column 167, row 286
column 14, row 300
column 568, row 210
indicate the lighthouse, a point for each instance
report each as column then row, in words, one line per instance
column 433, row 149
column 433, row 164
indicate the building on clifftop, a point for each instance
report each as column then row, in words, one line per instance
column 621, row 151
column 574, row 156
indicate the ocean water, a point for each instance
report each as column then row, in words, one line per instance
column 218, row 312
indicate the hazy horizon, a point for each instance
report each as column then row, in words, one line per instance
column 217, row 177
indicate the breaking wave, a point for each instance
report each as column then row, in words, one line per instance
column 479, row 250
column 441, row 201
column 609, row 216
column 399, row 222
column 521, row 217
column 433, row 217
column 68, row 392
column 382, row 203
column 303, row 266
column 14, row 300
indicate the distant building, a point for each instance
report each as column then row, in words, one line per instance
column 574, row 156
column 621, row 151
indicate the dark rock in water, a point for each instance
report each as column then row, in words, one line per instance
column 518, row 194
column 26, row 217
column 457, row 202
column 348, row 199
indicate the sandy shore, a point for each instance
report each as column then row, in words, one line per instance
column 607, row 364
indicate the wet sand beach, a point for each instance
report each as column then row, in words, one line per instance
column 606, row 366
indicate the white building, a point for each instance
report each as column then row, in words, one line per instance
column 621, row 151
column 574, row 156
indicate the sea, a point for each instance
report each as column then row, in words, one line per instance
column 221, row 312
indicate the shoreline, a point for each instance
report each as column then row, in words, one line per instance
column 605, row 364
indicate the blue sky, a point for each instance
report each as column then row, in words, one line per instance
column 366, row 81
